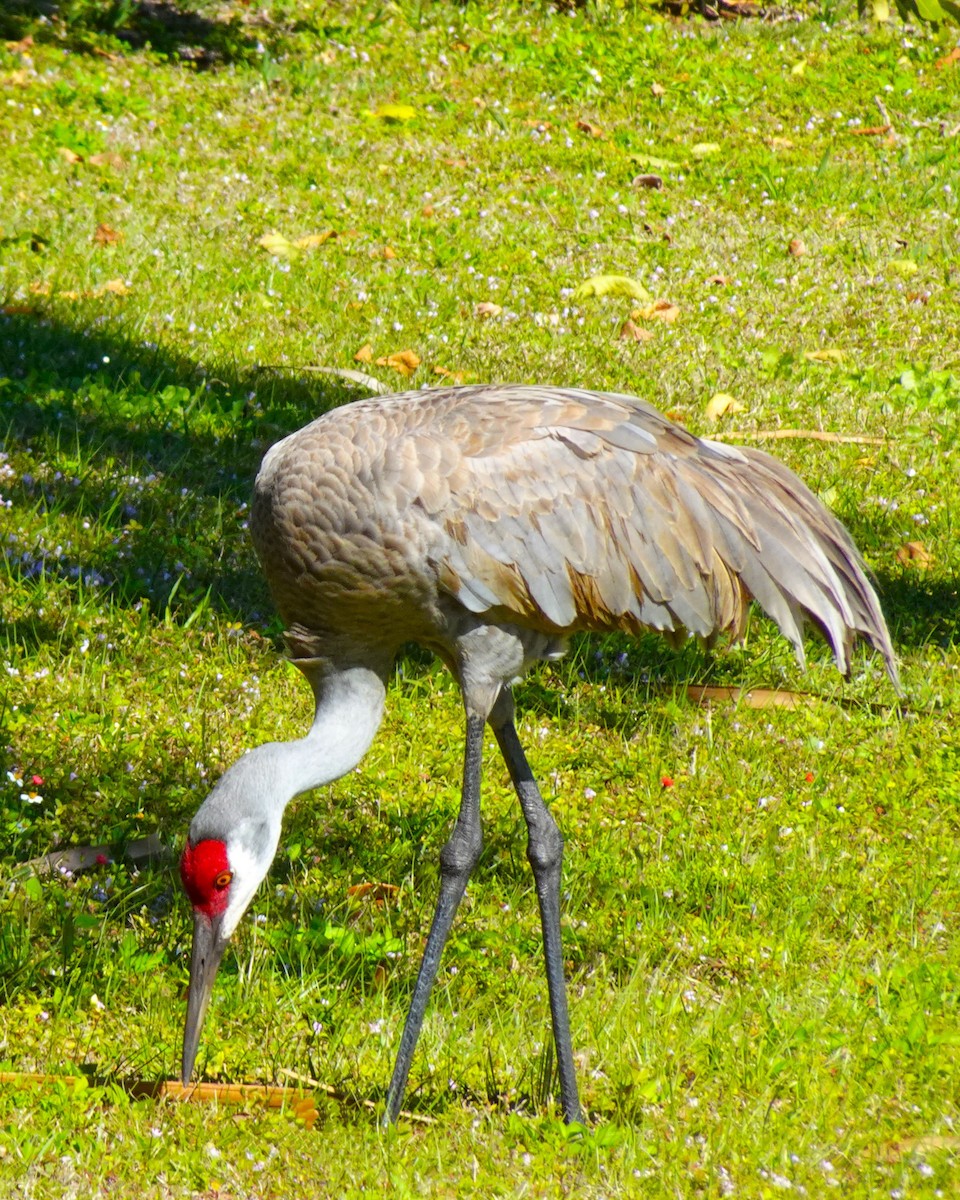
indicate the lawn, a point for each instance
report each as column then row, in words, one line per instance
column 207, row 223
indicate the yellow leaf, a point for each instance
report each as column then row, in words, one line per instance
column 914, row 554
column 364, row 354
column 611, row 285
column 389, row 252
column 487, row 309
column 311, row 240
column 277, row 245
column 828, row 354
column 395, row 112
column 721, row 405
column 798, row 68
column 703, row 149
column 115, row 286
column 404, row 361
column 904, row 266
column 68, row 155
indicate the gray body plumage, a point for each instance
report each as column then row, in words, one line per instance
column 420, row 517
column 488, row 524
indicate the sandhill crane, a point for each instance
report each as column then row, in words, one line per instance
column 488, row 524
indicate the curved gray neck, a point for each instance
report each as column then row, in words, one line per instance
column 260, row 785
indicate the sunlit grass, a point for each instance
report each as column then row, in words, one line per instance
column 760, row 905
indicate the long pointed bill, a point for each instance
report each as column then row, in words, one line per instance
column 208, row 948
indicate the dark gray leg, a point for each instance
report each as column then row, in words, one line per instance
column 545, row 852
column 457, row 860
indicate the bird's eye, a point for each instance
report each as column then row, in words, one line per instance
column 223, row 879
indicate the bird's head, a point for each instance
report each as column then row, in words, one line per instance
column 220, row 876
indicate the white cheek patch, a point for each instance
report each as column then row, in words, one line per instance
column 248, row 873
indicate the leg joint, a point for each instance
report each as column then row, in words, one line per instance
column 545, row 846
column 459, row 856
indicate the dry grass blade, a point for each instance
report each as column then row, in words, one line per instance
column 814, row 435
column 329, row 1090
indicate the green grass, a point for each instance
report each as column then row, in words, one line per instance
column 763, row 957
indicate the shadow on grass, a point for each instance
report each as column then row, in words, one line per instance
column 177, row 31
column 160, row 452
column 113, row 403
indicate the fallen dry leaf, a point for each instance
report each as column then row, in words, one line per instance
column 395, row 113
column 659, row 310
column 630, row 332
column 69, row 156
column 21, row 47
column 20, row 77
column 403, row 361
column 721, row 405
column 277, row 245
column 487, row 309
column 914, row 554
column 536, row 123
column 648, row 181
column 721, row 280
column 17, row 310
column 115, row 287
column 314, row 239
column 589, row 127
column 103, row 235
column 779, row 143
column 922, row 1145
column 456, row 376
column 948, row 60
column 796, row 248
column 427, row 210
column 611, row 285
column 458, row 163
column 658, row 90
column 869, row 131
column 108, row 159
column 364, row 354
column 378, row 892
column 389, row 252
column 827, row 354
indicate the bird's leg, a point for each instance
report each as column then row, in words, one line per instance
column 545, row 852
column 457, row 860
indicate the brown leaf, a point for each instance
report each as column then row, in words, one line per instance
column 487, row 309
column 948, row 60
column 461, row 46
column 869, row 131
column 404, row 361
column 17, row 310
column 68, row 155
column 458, row 163
column 378, row 892
column 103, row 235
column 648, row 181
column 536, row 123
column 456, row 376
column 659, row 310
column 796, row 248
column 21, row 47
column 109, row 159
column 629, row 332
column 914, row 554
column 364, row 354
column 589, row 127
column 721, row 280
column 427, row 210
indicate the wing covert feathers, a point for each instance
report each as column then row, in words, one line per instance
column 551, row 508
